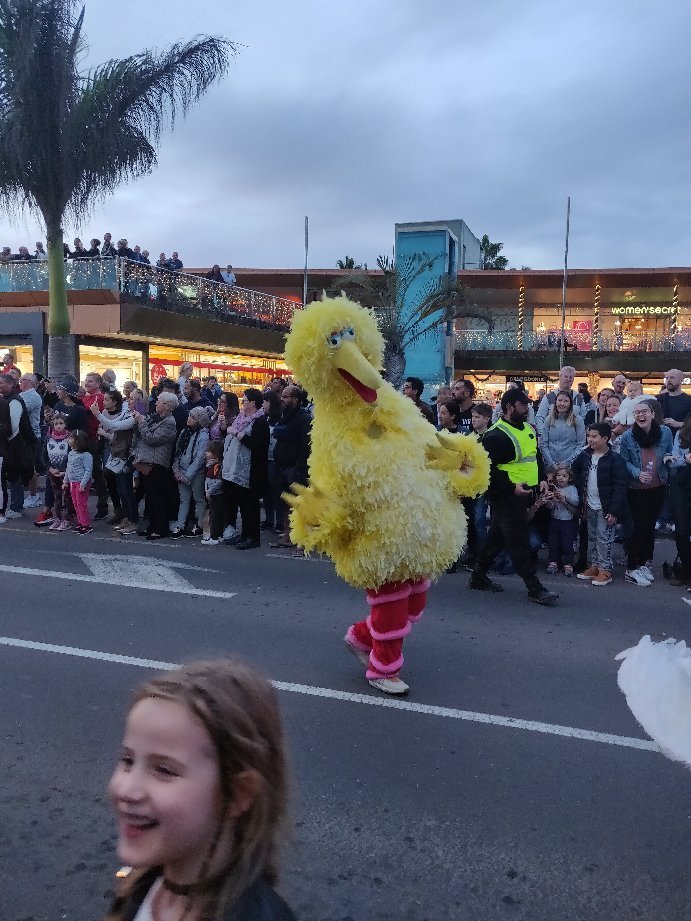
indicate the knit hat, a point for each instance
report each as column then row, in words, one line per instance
column 70, row 386
column 202, row 415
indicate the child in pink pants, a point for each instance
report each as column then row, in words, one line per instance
column 80, row 467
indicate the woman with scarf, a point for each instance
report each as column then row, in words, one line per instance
column 644, row 447
column 244, row 471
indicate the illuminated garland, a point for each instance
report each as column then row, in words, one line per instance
column 521, row 316
column 675, row 313
column 596, row 318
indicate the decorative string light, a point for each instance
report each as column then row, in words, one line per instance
column 675, row 314
column 521, row 316
column 596, row 318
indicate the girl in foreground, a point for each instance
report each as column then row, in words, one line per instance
column 200, row 793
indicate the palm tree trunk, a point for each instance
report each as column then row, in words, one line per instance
column 61, row 347
column 394, row 364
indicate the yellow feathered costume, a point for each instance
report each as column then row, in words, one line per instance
column 384, row 485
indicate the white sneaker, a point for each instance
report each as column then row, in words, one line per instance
column 389, row 685
column 647, row 572
column 229, row 532
column 33, row 502
column 210, row 542
column 636, row 577
column 3, row 520
column 10, row 513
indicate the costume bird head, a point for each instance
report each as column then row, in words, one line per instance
column 335, row 348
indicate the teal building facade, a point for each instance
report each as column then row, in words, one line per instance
column 450, row 246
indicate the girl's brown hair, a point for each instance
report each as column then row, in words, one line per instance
column 215, row 448
column 81, row 441
column 685, row 434
column 239, row 709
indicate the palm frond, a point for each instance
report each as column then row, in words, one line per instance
column 407, row 307
column 66, row 140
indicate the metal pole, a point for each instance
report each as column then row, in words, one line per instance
column 563, row 290
column 304, row 277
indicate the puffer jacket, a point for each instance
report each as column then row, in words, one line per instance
column 191, row 461
column 156, row 440
column 612, row 480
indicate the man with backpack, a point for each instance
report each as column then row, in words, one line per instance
column 21, row 447
column 566, row 378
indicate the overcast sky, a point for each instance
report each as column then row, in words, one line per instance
column 368, row 112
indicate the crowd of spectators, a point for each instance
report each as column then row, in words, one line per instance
column 615, row 468
column 110, row 250
column 186, row 460
column 191, row 460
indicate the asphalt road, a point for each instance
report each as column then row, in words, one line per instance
column 400, row 812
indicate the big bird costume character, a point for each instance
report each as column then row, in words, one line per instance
column 383, row 491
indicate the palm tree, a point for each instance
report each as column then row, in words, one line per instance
column 401, row 322
column 347, row 264
column 68, row 139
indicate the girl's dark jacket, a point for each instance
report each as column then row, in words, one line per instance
column 260, row 902
column 612, row 482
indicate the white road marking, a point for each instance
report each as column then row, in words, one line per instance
column 127, row 557
column 367, row 699
column 153, row 578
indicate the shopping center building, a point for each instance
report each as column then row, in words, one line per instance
column 637, row 321
column 144, row 323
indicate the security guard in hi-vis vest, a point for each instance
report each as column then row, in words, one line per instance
column 512, row 447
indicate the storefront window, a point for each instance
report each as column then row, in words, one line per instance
column 128, row 364
column 578, row 327
column 234, row 371
column 23, row 356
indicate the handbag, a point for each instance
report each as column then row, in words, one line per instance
column 116, row 464
column 144, row 469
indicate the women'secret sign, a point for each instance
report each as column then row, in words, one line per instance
column 645, row 310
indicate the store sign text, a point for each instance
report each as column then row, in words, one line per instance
column 643, row 310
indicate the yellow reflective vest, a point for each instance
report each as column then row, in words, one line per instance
column 523, row 469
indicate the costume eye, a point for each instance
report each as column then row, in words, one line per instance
column 334, row 340
column 348, row 333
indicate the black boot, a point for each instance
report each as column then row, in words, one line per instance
column 540, row 595
column 482, row 583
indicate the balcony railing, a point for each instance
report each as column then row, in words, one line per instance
column 80, row 275
column 481, row 340
column 179, row 292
